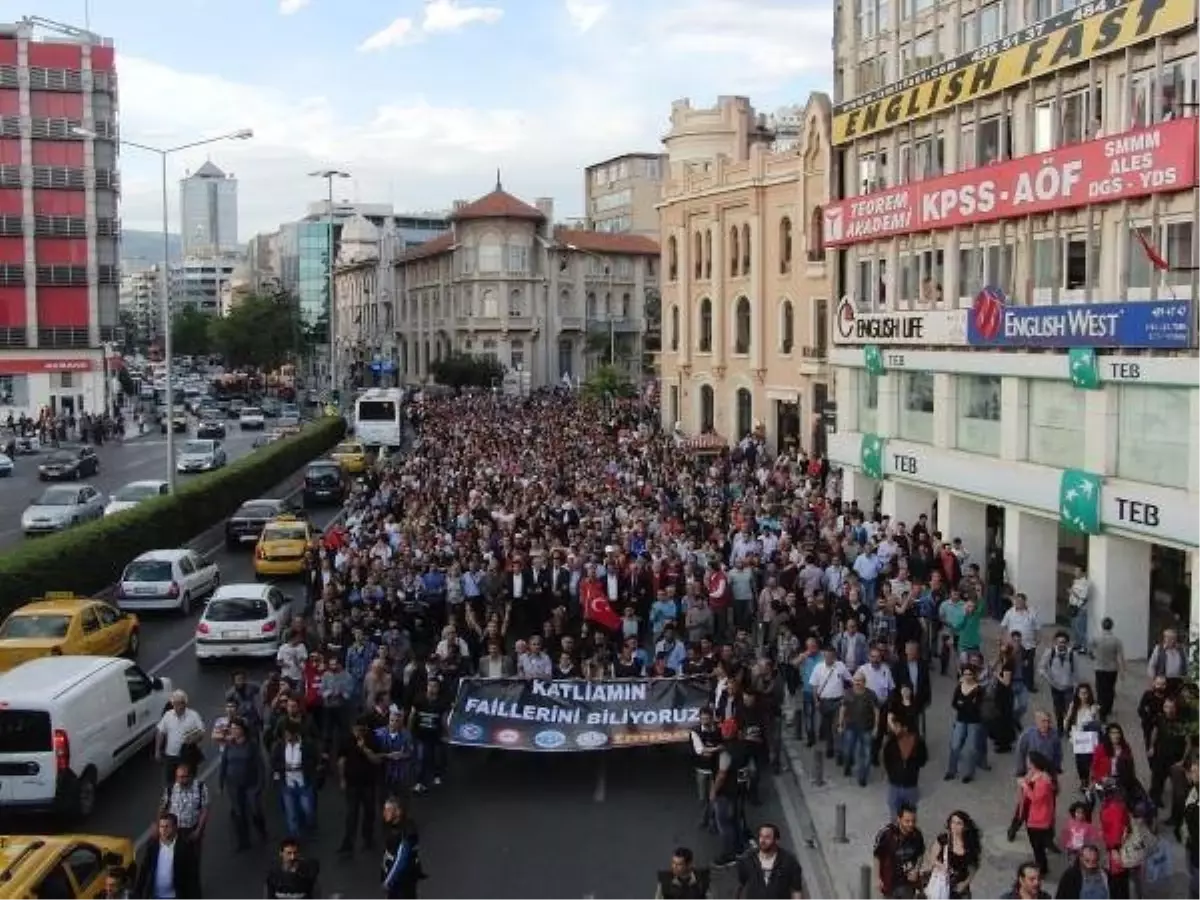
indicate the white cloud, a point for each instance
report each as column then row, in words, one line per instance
column 584, row 14
column 287, row 7
column 443, row 16
column 400, row 32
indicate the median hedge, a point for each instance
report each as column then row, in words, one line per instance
column 88, row 558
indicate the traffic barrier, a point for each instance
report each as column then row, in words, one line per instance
column 87, row 558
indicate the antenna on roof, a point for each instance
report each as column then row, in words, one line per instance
column 499, row 187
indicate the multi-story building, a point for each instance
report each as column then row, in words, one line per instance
column 365, row 334
column 621, row 194
column 199, row 281
column 544, row 301
column 746, row 293
column 59, row 278
column 208, row 213
column 1016, row 255
column 141, row 301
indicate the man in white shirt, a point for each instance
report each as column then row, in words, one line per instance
column 291, row 658
column 536, row 663
column 828, row 681
column 180, row 731
column 880, row 683
column 1020, row 618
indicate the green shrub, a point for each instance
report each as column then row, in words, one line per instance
column 90, row 557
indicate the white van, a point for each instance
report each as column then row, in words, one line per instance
column 69, row 722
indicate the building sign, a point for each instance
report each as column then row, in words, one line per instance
column 1150, row 510
column 908, row 328
column 1138, row 163
column 1165, row 324
column 1063, row 40
column 38, row 366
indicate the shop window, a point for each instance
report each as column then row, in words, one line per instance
column 706, row 326
column 1056, row 425
column 916, row 407
column 1154, row 438
column 787, row 326
column 868, row 401
column 977, row 425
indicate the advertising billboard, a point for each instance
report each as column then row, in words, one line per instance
column 1066, row 39
column 1154, row 160
column 1162, row 324
column 899, row 327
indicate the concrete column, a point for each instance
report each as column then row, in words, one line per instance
column 889, row 403
column 857, row 486
column 1014, row 417
column 945, row 410
column 845, row 393
column 904, row 503
column 959, row 517
column 1120, row 572
column 1101, row 411
column 1193, row 460
column 1031, row 559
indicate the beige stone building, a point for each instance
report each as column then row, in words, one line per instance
column 622, row 193
column 745, row 286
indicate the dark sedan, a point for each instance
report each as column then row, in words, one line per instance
column 324, row 482
column 245, row 525
column 70, row 465
column 211, row 428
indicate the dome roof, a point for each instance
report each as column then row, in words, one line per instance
column 359, row 230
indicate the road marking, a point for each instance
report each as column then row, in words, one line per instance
column 601, row 793
column 170, row 658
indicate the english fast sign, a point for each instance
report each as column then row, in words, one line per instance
column 1058, row 42
column 1155, row 160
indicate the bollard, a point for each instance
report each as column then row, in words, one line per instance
column 818, row 767
column 839, row 828
column 864, row 882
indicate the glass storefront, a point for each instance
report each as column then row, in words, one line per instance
column 868, row 401
column 916, row 407
column 977, row 423
column 1155, row 441
column 1056, row 424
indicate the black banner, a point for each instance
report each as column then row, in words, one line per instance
column 574, row 715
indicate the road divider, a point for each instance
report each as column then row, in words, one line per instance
column 86, row 559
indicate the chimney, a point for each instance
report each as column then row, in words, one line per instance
column 545, row 205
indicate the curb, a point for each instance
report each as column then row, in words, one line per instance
column 819, row 878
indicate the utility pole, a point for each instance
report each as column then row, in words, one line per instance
column 329, row 175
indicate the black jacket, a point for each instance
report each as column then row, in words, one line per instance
column 786, row 877
column 187, row 871
column 922, row 692
column 1071, row 883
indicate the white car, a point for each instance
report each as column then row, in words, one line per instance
column 251, row 418
column 134, row 493
column 200, row 456
column 6, row 466
column 167, row 580
column 243, row 620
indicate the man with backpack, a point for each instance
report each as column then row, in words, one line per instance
column 1058, row 668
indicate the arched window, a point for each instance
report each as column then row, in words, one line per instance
column 699, row 254
column 708, row 253
column 516, row 303
column 706, row 326
column 735, row 252
column 625, row 302
column 490, row 307
column 708, row 409
column 746, row 249
column 606, row 310
column 816, row 235
column 787, row 327
column 591, row 305
column 674, row 329
column 672, row 258
column 745, row 413
column 741, row 326
column 565, row 301
column 785, row 245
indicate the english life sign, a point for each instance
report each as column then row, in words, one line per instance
column 1165, row 324
column 899, row 328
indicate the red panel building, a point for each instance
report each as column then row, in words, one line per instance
column 59, row 275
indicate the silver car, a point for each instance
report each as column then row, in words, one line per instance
column 60, row 507
column 200, row 456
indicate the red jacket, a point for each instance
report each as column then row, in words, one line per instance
column 717, row 586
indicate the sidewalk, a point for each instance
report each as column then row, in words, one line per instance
column 989, row 799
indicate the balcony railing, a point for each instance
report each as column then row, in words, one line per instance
column 13, row 337
column 570, row 323
column 10, row 126
column 65, row 338
column 11, row 226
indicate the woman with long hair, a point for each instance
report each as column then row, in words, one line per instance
column 1083, row 725
column 1039, row 790
column 1114, row 759
column 957, row 852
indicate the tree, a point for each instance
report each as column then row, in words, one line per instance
column 608, row 381
column 460, row 370
column 258, row 333
column 189, row 332
column 599, row 343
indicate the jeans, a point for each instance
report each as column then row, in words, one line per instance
column 1061, row 698
column 1028, row 655
column 856, row 752
column 897, row 795
column 806, row 722
column 1079, row 626
column 995, row 605
column 360, row 814
column 245, row 806
column 964, row 736
column 728, row 826
column 431, row 759
column 1106, row 692
column 868, row 589
column 299, row 808
column 828, row 711
column 1020, row 702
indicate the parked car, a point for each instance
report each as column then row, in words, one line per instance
column 69, row 465
column 167, row 580
column 135, row 492
column 211, row 427
column 251, row 418
column 69, row 723
column 60, row 506
column 245, row 525
column 243, row 620
column 200, row 456
column 324, row 483
column 66, row 625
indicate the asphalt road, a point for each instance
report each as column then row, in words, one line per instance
column 141, row 459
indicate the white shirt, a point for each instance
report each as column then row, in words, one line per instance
column 1024, row 621
column 878, row 680
column 175, row 728
column 829, row 682
column 293, row 770
column 518, row 585
column 614, row 586
column 291, row 659
column 164, row 872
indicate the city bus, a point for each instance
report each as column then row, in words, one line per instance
column 378, row 414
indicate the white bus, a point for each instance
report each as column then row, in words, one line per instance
column 378, row 414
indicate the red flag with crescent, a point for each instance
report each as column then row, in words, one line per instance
column 596, row 607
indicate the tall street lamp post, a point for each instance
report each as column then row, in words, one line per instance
column 165, row 289
column 329, row 175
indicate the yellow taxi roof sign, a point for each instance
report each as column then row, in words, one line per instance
column 60, row 595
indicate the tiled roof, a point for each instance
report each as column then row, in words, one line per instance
column 499, row 204
column 607, row 242
column 440, row 244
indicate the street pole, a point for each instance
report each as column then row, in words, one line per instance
column 329, row 175
column 166, row 316
column 612, row 324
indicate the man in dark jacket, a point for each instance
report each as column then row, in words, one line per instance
column 169, row 866
column 1085, row 877
column 401, row 868
column 293, row 876
column 913, row 671
column 769, row 872
column 683, row 881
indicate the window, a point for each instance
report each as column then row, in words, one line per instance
column 708, row 418
column 673, row 404
column 1155, row 97
column 698, row 241
column 966, row 148
column 872, row 73
column 821, row 325
column 516, row 303
column 993, row 143
column 489, row 304
column 816, row 235
column 674, row 329
column 968, row 35
column 1138, row 267
column 566, row 357
column 706, row 326
column 872, row 172
column 746, row 249
column 1181, row 251
column 86, row 864
column 787, row 326
column 885, row 15
column 991, row 23
column 982, row 266
column 741, row 318
column 490, row 257
column 785, row 245
column 1045, row 263
column 868, row 25
column 1056, row 434
column 1154, row 440
column 566, row 302
column 590, row 309
column 977, row 426
column 138, row 684
column 518, row 259
column 907, row 288
column 1043, row 126
column 735, row 254
column 745, row 413
column 55, row 885
column 708, row 253
column 14, row 390
column 916, row 407
column 672, row 259
column 516, row 355
column 868, row 401
column 625, row 304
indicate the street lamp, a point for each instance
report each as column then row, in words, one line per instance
column 608, row 271
column 241, row 134
column 329, row 175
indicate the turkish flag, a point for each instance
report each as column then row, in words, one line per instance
column 596, row 607
column 1155, row 258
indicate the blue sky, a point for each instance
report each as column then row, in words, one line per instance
column 422, row 100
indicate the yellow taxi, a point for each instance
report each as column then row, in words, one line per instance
column 281, row 546
column 62, row 624
column 351, row 456
column 61, row 865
